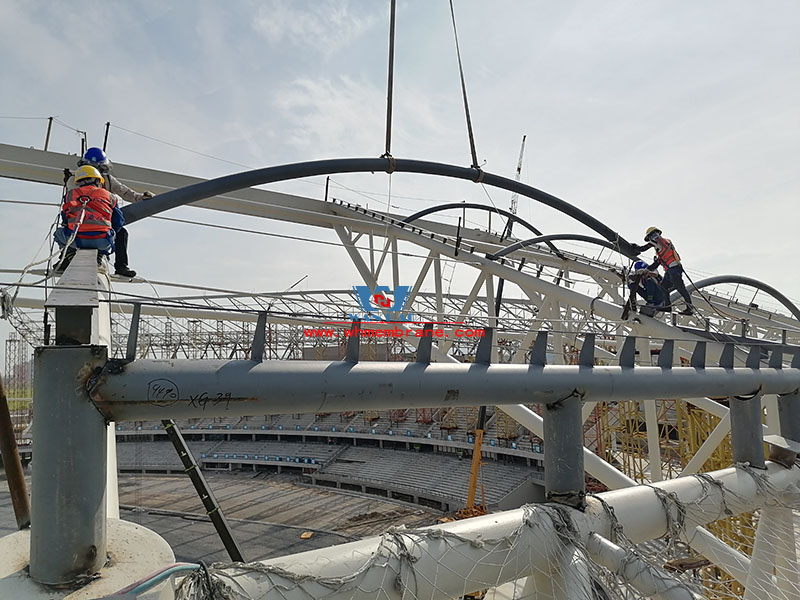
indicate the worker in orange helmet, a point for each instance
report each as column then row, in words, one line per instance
column 668, row 257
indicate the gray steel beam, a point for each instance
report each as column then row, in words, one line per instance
column 747, row 441
column 564, row 480
column 68, row 504
column 789, row 415
column 133, row 334
column 147, row 389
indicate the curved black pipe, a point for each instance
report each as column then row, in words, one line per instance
column 548, row 238
column 759, row 285
column 471, row 205
column 440, row 207
column 229, row 183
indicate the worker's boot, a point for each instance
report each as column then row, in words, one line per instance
column 124, row 271
column 62, row 265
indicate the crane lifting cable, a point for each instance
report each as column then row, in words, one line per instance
column 466, row 104
column 390, row 85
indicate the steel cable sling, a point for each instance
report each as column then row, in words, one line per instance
column 466, row 104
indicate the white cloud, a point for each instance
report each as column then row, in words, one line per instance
column 326, row 26
column 333, row 115
column 683, row 115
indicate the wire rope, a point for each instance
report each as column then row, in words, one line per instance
column 464, row 93
column 390, row 83
column 24, row 118
column 179, row 147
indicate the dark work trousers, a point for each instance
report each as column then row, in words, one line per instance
column 651, row 292
column 121, row 249
column 673, row 279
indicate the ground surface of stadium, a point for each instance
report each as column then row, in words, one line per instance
column 267, row 514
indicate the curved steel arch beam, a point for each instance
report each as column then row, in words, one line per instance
column 545, row 239
column 454, row 205
column 440, row 207
column 237, row 181
column 759, row 285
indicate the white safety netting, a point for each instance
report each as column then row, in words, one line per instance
column 546, row 552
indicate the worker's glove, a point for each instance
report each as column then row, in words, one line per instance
column 147, row 194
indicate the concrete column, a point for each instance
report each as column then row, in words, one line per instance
column 747, row 438
column 68, row 503
column 563, row 452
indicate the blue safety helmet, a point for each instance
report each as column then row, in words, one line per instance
column 96, row 158
column 639, row 265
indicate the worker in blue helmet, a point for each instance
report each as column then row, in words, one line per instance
column 96, row 157
column 668, row 257
column 645, row 283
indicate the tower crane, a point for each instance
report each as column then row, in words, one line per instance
column 471, row 509
column 515, row 195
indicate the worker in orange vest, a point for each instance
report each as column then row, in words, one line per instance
column 96, row 157
column 668, row 257
column 90, row 218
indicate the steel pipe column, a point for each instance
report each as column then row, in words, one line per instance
column 68, row 504
column 747, row 438
column 789, row 415
column 564, row 480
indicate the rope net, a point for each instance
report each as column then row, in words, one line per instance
column 546, row 551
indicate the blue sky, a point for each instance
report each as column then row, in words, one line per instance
column 684, row 115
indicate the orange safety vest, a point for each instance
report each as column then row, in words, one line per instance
column 666, row 253
column 96, row 203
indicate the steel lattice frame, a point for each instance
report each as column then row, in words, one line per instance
column 568, row 294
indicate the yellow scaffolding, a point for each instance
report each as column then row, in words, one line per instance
column 694, row 426
column 448, row 418
column 507, row 428
column 617, row 433
column 622, row 439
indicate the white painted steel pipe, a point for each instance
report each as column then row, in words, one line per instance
column 772, row 527
column 644, row 577
column 438, row 562
column 786, row 570
column 760, row 585
column 653, row 440
column 456, row 558
column 730, row 560
column 710, row 444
